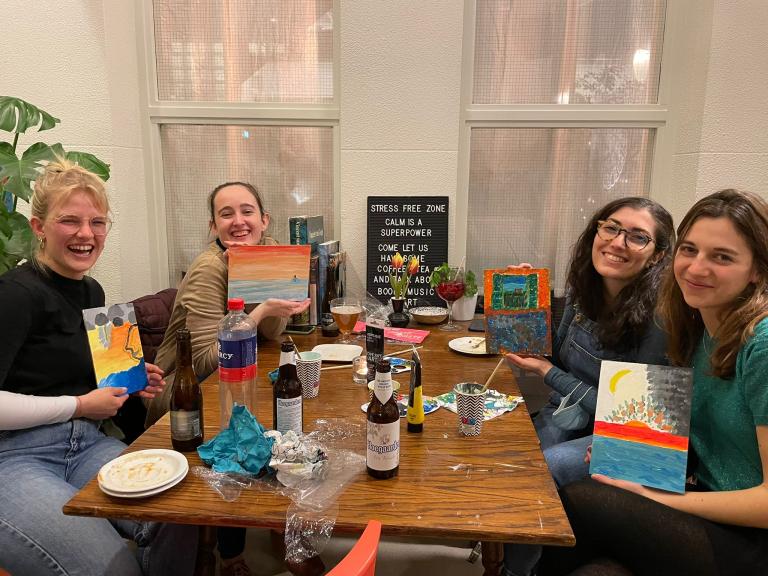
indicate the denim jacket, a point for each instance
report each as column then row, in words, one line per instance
column 577, row 353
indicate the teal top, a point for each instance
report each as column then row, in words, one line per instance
column 724, row 414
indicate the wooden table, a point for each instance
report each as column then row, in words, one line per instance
column 493, row 488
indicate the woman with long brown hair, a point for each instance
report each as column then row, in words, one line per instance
column 715, row 308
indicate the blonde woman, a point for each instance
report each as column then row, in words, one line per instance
column 50, row 409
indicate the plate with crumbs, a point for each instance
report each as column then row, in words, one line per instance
column 142, row 471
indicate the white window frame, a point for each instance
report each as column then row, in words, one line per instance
column 655, row 116
column 155, row 113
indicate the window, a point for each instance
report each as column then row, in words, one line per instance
column 561, row 116
column 241, row 91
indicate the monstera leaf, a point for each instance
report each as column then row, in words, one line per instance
column 16, row 239
column 90, row 163
column 18, row 116
column 17, row 174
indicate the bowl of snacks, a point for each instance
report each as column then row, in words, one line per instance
column 428, row 314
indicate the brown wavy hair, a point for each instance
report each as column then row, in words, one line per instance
column 749, row 215
column 622, row 325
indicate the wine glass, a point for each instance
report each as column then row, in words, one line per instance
column 345, row 312
column 450, row 290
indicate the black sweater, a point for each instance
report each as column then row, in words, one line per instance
column 43, row 344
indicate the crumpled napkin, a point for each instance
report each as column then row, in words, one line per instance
column 241, row 448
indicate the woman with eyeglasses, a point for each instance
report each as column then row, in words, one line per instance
column 613, row 280
column 50, row 408
column 715, row 309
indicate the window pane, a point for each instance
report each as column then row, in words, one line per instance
column 291, row 166
column 258, row 51
column 532, row 190
column 568, row 51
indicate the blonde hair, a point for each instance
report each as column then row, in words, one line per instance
column 60, row 179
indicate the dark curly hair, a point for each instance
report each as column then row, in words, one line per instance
column 622, row 324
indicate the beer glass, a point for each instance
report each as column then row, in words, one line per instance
column 345, row 312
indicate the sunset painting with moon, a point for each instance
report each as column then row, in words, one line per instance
column 642, row 424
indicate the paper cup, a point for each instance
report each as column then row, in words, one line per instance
column 470, row 402
column 308, row 369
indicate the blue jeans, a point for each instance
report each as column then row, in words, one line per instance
column 41, row 468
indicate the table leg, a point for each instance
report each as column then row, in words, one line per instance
column 493, row 558
column 205, row 565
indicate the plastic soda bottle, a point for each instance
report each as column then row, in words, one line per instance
column 237, row 360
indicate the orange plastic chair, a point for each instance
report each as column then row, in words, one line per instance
column 361, row 560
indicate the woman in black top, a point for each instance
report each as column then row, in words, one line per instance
column 50, row 409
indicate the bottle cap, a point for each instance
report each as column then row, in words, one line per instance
column 383, row 365
column 235, row 304
column 286, row 346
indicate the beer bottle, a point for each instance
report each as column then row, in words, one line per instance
column 186, row 399
column 383, row 435
column 287, row 407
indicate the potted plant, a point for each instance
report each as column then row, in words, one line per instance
column 464, row 307
column 18, row 173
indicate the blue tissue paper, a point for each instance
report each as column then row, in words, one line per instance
column 241, row 448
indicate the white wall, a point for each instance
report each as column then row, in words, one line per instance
column 76, row 59
column 400, row 77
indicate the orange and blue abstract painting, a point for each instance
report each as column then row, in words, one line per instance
column 116, row 347
column 642, row 424
column 260, row 272
column 517, row 311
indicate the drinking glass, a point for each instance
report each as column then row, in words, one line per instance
column 450, row 290
column 345, row 312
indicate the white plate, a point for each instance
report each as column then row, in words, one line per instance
column 338, row 352
column 145, row 493
column 138, row 472
column 469, row 345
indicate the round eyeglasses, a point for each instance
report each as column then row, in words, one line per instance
column 608, row 230
column 72, row 224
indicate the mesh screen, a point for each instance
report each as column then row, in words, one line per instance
column 232, row 51
column 291, row 166
column 568, row 51
column 532, row 190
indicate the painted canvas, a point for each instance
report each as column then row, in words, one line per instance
column 116, row 347
column 260, row 272
column 642, row 424
column 517, row 311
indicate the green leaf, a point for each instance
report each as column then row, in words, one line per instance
column 439, row 274
column 21, row 172
column 90, row 163
column 17, row 116
column 16, row 234
column 470, row 284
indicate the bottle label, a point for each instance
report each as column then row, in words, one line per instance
column 287, row 358
column 185, row 424
column 289, row 414
column 383, row 386
column 383, row 446
column 237, row 359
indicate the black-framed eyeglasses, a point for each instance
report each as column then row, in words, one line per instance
column 634, row 240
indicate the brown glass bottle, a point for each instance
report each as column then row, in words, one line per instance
column 186, row 399
column 287, row 405
column 383, row 435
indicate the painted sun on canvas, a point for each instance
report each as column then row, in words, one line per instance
column 113, row 336
column 642, row 424
column 257, row 273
